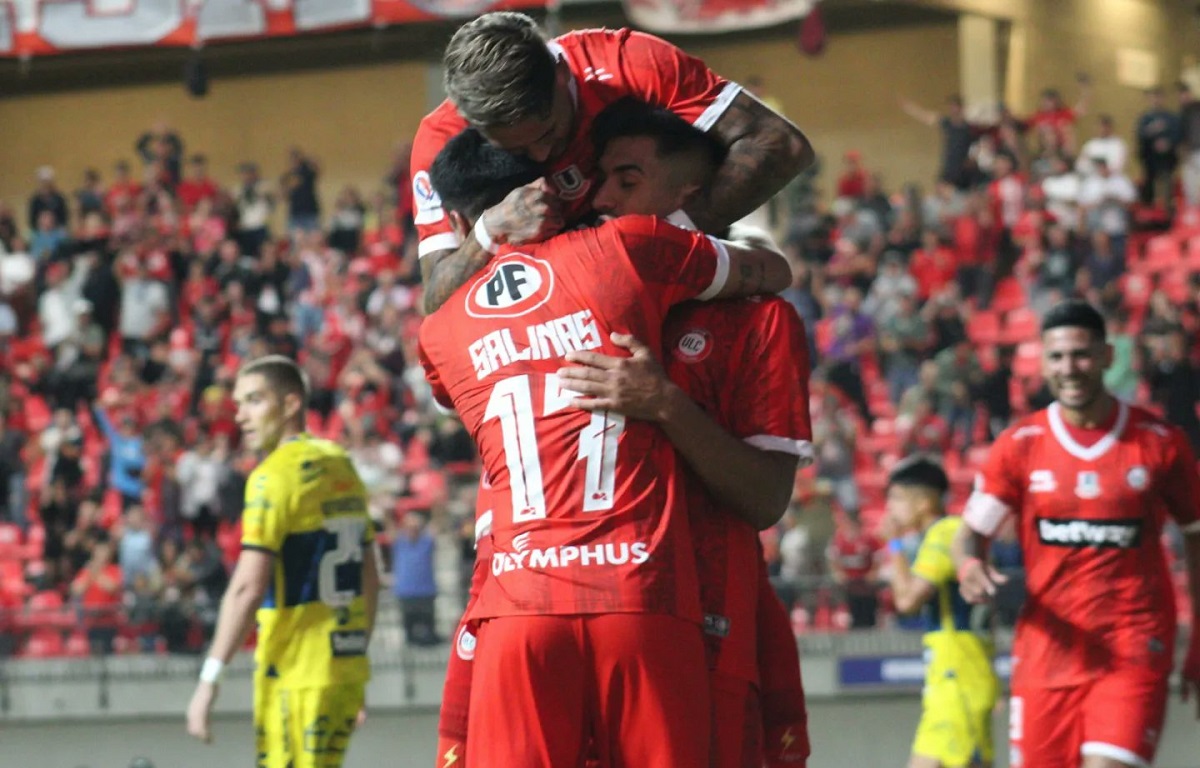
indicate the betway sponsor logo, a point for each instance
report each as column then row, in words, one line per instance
column 622, row 553
column 1110, row 534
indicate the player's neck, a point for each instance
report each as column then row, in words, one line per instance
column 1093, row 416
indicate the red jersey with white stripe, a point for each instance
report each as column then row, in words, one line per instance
column 745, row 362
column 606, row 65
column 588, row 512
column 1090, row 521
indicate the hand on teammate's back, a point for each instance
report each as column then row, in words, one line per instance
column 633, row 386
column 530, row 214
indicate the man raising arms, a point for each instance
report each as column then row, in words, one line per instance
column 537, row 99
column 1091, row 481
column 308, row 568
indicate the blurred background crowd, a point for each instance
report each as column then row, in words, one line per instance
column 128, row 299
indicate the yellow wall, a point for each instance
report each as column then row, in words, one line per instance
column 348, row 118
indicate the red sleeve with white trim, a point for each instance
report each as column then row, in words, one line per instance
column 675, row 264
column 1181, row 483
column 433, row 228
column 768, row 384
column 659, row 73
column 998, row 487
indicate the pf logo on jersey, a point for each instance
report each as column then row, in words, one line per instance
column 515, row 285
column 693, row 346
column 425, row 200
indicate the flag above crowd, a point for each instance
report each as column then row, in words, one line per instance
column 709, row 16
column 45, row 27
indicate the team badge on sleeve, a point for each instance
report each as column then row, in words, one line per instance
column 427, row 204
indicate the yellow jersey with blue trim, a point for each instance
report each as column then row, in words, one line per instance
column 306, row 505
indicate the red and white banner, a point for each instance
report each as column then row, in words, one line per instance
column 40, row 27
column 709, row 16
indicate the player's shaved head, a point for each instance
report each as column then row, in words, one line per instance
column 470, row 175
column 282, row 376
column 499, row 71
column 674, row 137
column 1075, row 313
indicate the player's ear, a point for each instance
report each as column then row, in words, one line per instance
column 689, row 193
column 459, row 224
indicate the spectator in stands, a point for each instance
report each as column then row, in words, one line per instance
column 1104, row 200
column 1175, row 383
column 299, row 182
column 923, row 431
column 206, row 578
column 346, row 226
column 59, row 516
column 852, row 337
column 12, row 474
column 853, row 560
column 1054, row 113
column 1107, row 145
column 197, row 187
column 412, row 578
column 47, row 238
column 1189, row 145
column 890, row 289
column 47, row 198
column 55, row 306
column 145, row 303
column 255, row 201
column 89, row 198
column 142, row 608
column 959, row 377
column 97, row 590
column 903, row 340
column 834, row 437
column 932, row 266
column 995, row 392
column 1122, row 378
column 135, row 546
column 795, row 558
column 852, row 184
column 1102, row 266
column 77, row 360
column 957, row 134
column 1158, row 147
column 127, row 456
column 162, row 146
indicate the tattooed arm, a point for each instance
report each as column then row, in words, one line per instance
column 529, row 214
column 755, row 264
column 766, row 151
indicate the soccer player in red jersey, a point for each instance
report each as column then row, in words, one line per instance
column 589, row 620
column 1091, row 481
column 537, row 98
column 733, row 399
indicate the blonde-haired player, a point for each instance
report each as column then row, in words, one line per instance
column 307, row 569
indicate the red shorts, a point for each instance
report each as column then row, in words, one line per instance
column 636, row 683
column 456, row 691
column 450, row 752
column 785, row 717
column 1119, row 715
column 737, row 723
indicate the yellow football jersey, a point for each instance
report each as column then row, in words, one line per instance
column 306, row 505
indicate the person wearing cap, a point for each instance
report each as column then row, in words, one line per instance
column 960, row 684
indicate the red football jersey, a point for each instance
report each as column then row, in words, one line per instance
column 744, row 361
column 606, row 65
column 588, row 512
column 1090, row 523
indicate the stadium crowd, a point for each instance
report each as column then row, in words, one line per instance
column 127, row 306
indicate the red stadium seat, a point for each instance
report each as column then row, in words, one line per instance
column 44, row 644
column 1020, row 325
column 1136, row 290
column 1162, row 252
column 1175, row 283
column 1028, row 361
column 46, row 601
column 1009, row 295
column 983, row 329
column 77, row 645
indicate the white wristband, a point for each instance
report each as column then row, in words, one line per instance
column 210, row 672
column 485, row 239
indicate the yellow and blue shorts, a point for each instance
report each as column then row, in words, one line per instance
column 956, row 719
column 304, row 727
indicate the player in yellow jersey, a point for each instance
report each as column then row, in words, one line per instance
column 960, row 683
column 308, row 569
